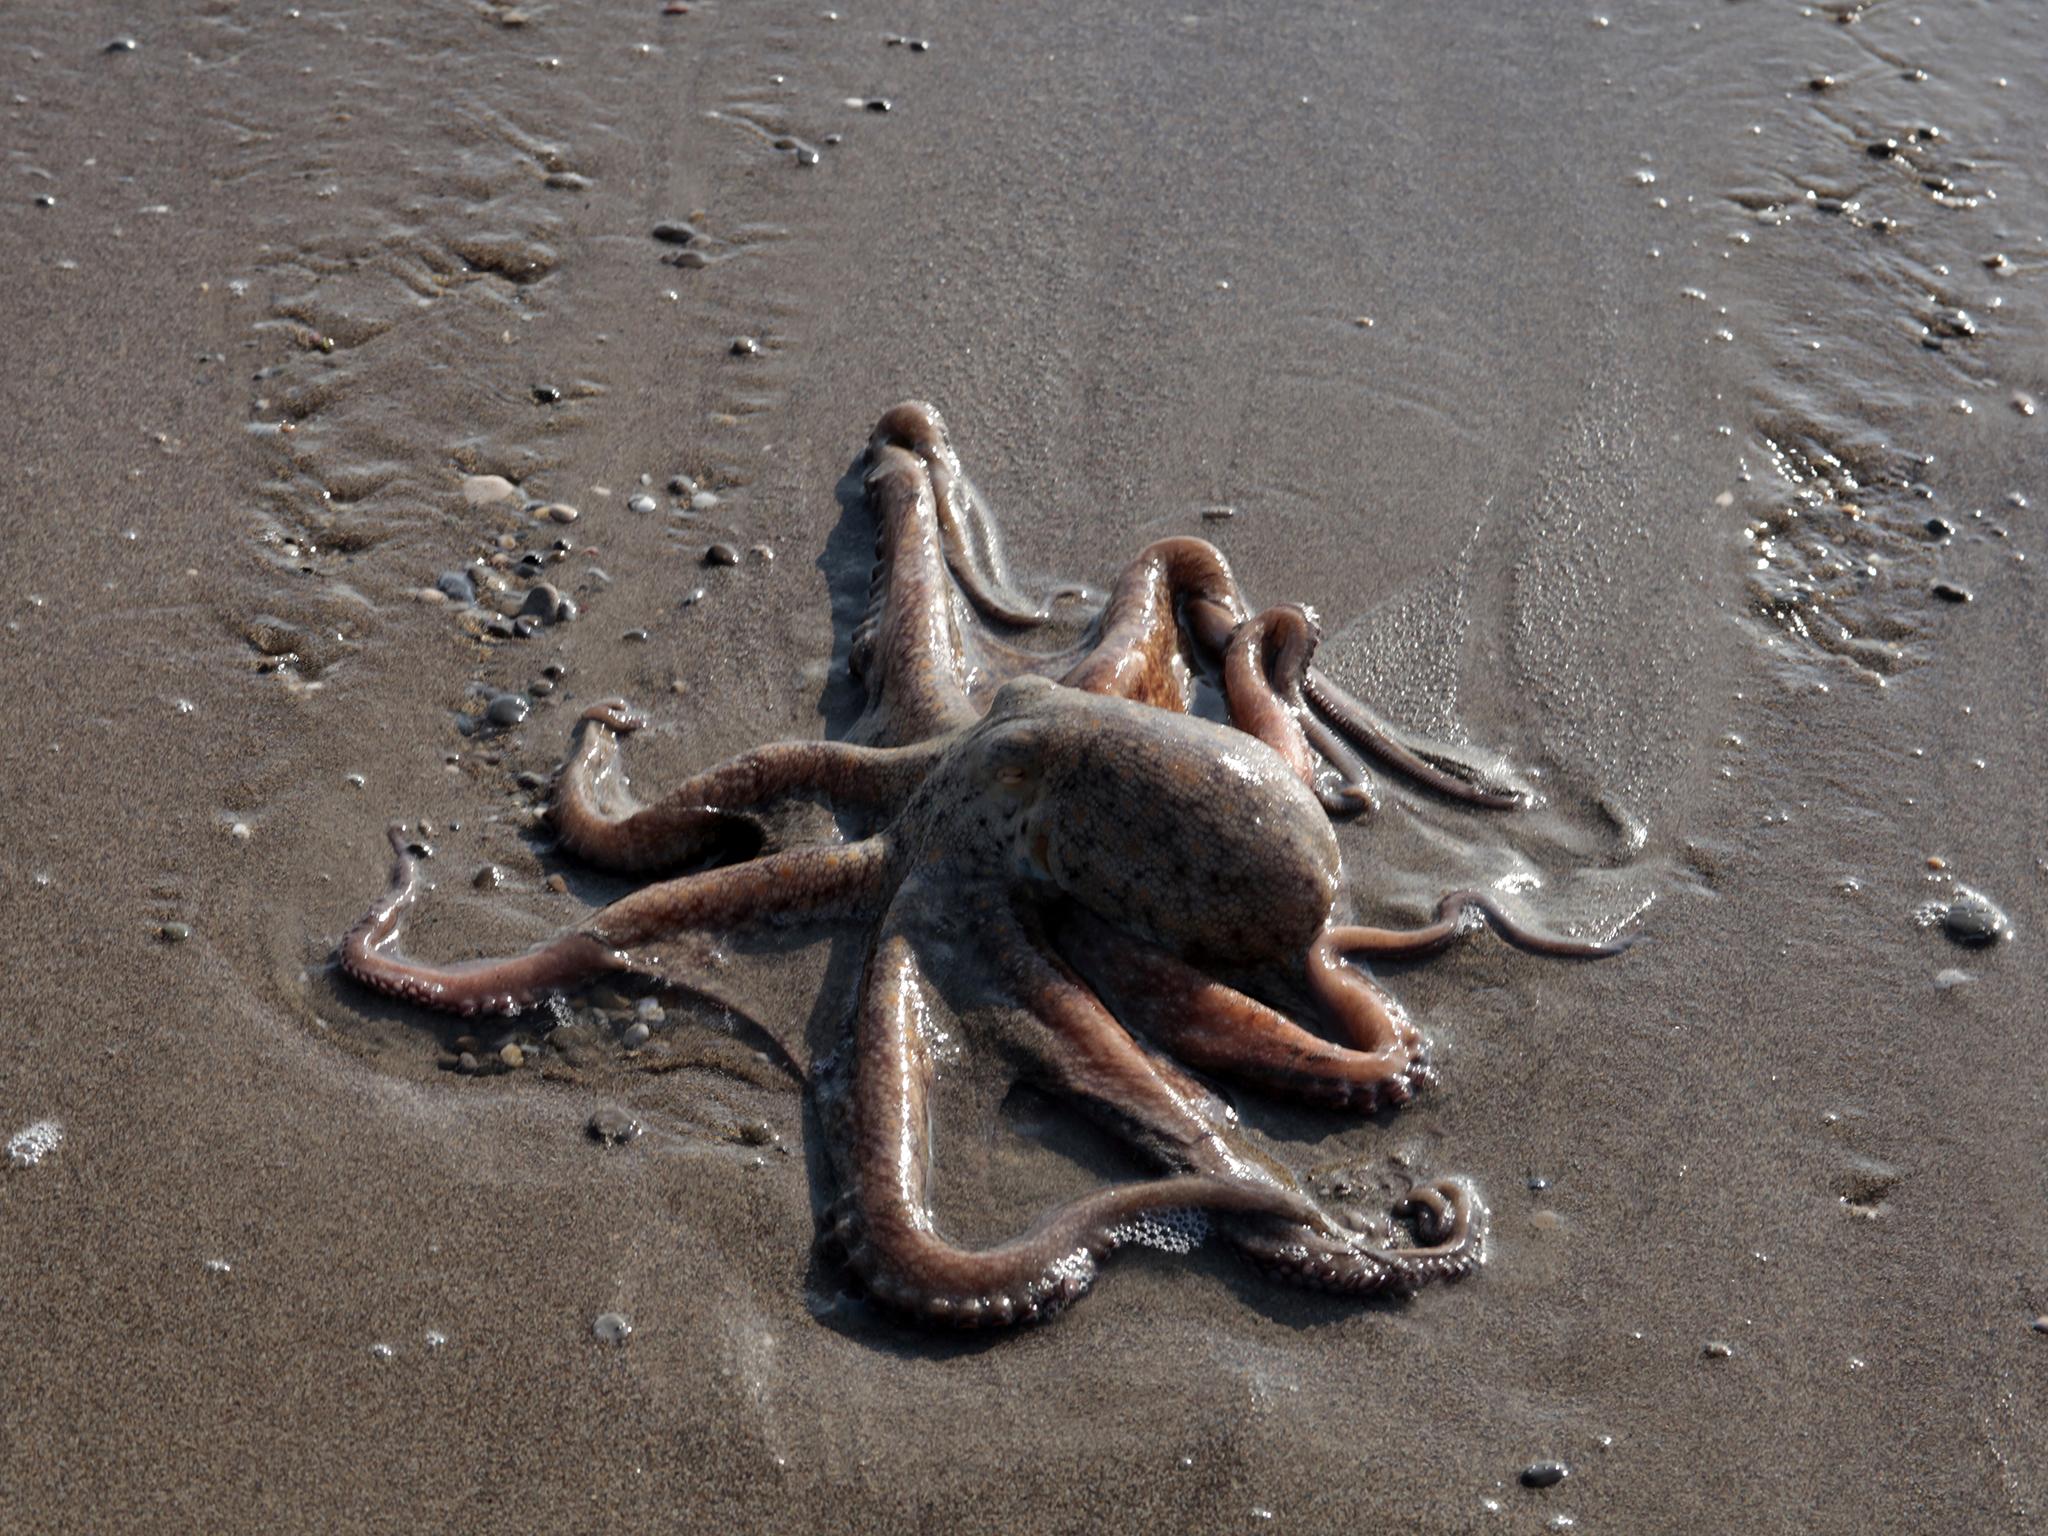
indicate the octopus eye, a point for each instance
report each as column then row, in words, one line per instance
column 1013, row 776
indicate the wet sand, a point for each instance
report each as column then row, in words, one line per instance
column 1691, row 403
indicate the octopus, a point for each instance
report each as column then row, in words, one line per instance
column 1063, row 864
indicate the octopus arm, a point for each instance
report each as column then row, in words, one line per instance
column 887, row 1228
column 712, row 812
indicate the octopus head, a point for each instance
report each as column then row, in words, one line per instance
column 1188, row 833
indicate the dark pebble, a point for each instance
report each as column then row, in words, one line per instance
column 1538, row 1183
column 744, row 346
column 612, row 1126
column 635, row 636
column 1939, row 527
column 507, row 709
column 546, row 394
column 539, row 688
column 1949, row 592
column 721, row 554
column 530, row 781
column 175, row 933
column 635, row 1036
column 693, row 597
column 681, row 485
column 44, row 200
column 1973, row 918
column 1884, row 149
column 805, row 155
column 457, row 584
column 757, row 1133
column 525, row 625
column 1544, row 1474
column 1821, row 83
column 552, row 671
column 689, row 261
column 674, row 232
column 1715, row 1349
column 489, row 878
column 121, row 45
column 880, row 104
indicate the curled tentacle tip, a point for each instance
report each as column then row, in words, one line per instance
column 614, row 715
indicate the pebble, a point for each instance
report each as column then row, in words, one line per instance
column 507, row 710
column 703, row 501
column 721, row 554
column 457, row 585
column 175, row 933
column 488, row 878
column 756, row 1133
column 745, row 346
column 539, row 688
column 681, row 485
column 612, row 1126
column 2040, row 1324
column 560, row 512
column 466, row 1062
column 1973, row 918
column 635, row 636
column 674, row 232
column 546, row 602
column 488, row 490
column 557, row 884
column 1949, row 592
column 512, row 1056
column 805, row 155
column 240, row 832
column 636, row 1035
column 1544, row 1474
column 880, row 104
column 760, row 552
column 381, row 1352
column 693, row 597
column 612, row 1327
column 121, row 45
column 1940, row 527
column 642, row 503
column 1716, row 1349
column 689, row 261
column 546, row 394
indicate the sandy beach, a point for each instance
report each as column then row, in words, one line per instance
column 1649, row 396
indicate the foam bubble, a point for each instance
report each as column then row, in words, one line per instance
column 1176, row 1231
column 32, row 1143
